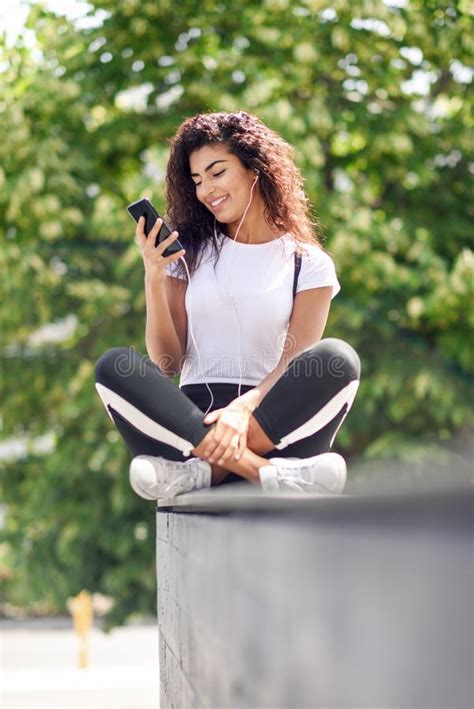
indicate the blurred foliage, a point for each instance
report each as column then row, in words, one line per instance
column 373, row 96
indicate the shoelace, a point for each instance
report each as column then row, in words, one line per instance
column 300, row 485
column 195, row 474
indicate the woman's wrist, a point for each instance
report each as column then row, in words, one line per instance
column 153, row 284
column 250, row 400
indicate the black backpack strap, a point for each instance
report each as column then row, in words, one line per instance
column 297, row 271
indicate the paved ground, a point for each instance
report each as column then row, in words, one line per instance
column 39, row 667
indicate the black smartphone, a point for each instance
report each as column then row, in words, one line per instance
column 144, row 208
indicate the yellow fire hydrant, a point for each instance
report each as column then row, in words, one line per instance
column 82, row 613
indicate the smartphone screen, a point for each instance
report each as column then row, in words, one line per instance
column 144, row 208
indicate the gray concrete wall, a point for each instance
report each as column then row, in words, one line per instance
column 316, row 603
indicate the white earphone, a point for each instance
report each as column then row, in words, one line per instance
column 257, row 173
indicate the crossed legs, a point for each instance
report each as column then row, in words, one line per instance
column 299, row 416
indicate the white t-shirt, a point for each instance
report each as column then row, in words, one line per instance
column 261, row 282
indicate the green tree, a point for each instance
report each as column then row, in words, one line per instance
column 374, row 97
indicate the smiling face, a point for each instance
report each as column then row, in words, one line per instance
column 218, row 174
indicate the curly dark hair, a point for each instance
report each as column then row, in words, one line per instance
column 258, row 148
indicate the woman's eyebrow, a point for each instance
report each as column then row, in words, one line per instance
column 196, row 174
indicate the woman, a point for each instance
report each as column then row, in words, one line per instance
column 221, row 312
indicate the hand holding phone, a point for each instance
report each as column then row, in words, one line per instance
column 144, row 208
column 154, row 249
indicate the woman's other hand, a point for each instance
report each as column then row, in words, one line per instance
column 153, row 259
column 229, row 439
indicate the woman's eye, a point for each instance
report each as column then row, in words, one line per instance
column 217, row 174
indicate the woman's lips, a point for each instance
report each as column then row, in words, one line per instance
column 214, row 209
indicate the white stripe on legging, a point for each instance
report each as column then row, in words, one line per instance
column 323, row 416
column 141, row 421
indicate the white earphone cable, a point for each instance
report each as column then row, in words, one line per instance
column 228, row 283
column 232, row 301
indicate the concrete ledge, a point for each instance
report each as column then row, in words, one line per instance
column 364, row 498
column 302, row 602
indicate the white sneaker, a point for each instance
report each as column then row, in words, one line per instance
column 153, row 477
column 325, row 473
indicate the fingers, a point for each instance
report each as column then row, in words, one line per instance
column 229, row 452
column 216, row 443
column 161, row 248
column 225, row 449
column 211, row 443
column 227, row 440
column 150, row 240
column 241, row 447
column 176, row 256
column 147, row 243
column 140, row 232
column 154, row 233
column 155, row 230
column 236, row 444
column 212, row 416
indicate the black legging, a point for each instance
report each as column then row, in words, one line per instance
column 301, row 413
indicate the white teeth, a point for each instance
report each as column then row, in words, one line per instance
column 218, row 201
